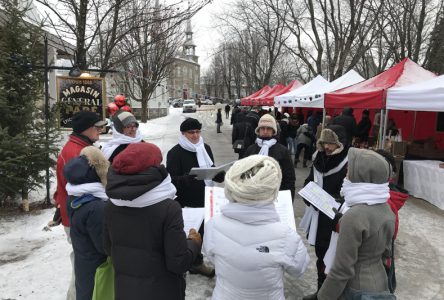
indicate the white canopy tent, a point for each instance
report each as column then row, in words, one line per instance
column 312, row 93
column 423, row 96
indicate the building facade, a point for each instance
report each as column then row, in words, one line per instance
column 184, row 79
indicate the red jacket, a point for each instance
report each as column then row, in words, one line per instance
column 71, row 149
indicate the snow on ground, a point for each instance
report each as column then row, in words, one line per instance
column 34, row 264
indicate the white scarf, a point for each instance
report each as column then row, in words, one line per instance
column 165, row 190
column 356, row 193
column 203, row 159
column 364, row 193
column 265, row 145
column 94, row 188
column 119, row 139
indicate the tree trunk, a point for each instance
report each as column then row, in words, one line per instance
column 25, row 199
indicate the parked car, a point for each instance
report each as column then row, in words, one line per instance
column 207, row 102
column 189, row 106
column 177, row 103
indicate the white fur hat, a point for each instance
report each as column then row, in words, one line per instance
column 254, row 179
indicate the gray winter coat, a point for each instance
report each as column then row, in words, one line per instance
column 365, row 236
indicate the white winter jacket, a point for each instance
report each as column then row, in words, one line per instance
column 251, row 249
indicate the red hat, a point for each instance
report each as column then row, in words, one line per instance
column 137, row 158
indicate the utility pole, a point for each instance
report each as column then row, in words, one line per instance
column 46, row 75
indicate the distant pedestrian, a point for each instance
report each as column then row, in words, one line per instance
column 347, row 120
column 242, row 135
column 249, row 246
column 86, row 176
column 227, row 111
column 363, row 128
column 219, row 120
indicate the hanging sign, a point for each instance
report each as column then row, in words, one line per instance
column 80, row 93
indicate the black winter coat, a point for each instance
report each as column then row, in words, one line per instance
column 331, row 184
column 87, row 241
column 148, row 245
column 349, row 123
column 282, row 155
column 284, row 133
column 190, row 192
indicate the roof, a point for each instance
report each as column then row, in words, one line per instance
column 371, row 93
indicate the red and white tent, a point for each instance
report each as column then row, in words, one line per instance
column 371, row 93
column 268, row 99
column 247, row 100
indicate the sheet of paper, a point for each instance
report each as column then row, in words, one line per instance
column 192, row 218
column 314, row 194
column 215, row 199
column 209, row 173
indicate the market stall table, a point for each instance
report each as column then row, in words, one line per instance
column 425, row 179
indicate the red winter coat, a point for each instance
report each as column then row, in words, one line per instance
column 396, row 201
column 71, row 149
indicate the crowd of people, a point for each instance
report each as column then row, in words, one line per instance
column 121, row 202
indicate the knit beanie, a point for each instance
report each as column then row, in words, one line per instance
column 254, row 179
column 137, row 158
column 367, row 166
column 84, row 119
column 328, row 136
column 90, row 166
column 190, row 124
column 266, row 121
column 123, row 118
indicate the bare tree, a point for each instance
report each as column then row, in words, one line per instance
column 147, row 52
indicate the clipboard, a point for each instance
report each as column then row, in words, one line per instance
column 209, row 173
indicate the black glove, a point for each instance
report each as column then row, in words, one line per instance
column 338, row 216
column 309, row 204
column 219, row 177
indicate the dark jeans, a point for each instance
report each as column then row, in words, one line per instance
column 218, row 127
column 307, row 152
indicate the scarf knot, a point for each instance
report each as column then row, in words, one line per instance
column 265, row 145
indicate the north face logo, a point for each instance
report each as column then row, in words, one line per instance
column 263, row 249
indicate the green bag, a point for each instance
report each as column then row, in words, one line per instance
column 104, row 281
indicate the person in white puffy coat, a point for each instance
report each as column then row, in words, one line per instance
column 249, row 246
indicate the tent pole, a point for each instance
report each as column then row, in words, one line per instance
column 384, row 136
column 414, row 126
column 381, row 128
column 324, row 113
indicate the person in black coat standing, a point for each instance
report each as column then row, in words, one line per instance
column 219, row 119
column 328, row 171
column 227, row 111
column 242, row 130
column 363, row 127
column 191, row 152
column 267, row 145
column 86, row 176
column 144, row 229
column 347, row 120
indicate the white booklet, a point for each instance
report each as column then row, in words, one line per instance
column 192, row 218
column 322, row 200
column 209, row 173
column 215, row 199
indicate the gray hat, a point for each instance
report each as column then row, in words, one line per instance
column 123, row 118
column 367, row 166
column 328, row 136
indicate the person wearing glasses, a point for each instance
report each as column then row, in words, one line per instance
column 191, row 152
column 86, row 129
column 125, row 131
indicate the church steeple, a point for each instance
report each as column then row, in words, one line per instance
column 189, row 48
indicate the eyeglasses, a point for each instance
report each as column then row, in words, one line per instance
column 193, row 131
column 98, row 127
column 132, row 125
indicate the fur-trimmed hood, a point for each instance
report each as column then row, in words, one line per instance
column 97, row 160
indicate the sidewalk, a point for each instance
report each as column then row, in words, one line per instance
column 419, row 248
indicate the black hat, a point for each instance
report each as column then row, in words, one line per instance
column 123, row 118
column 85, row 119
column 190, row 124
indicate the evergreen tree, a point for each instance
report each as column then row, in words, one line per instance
column 436, row 55
column 24, row 150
